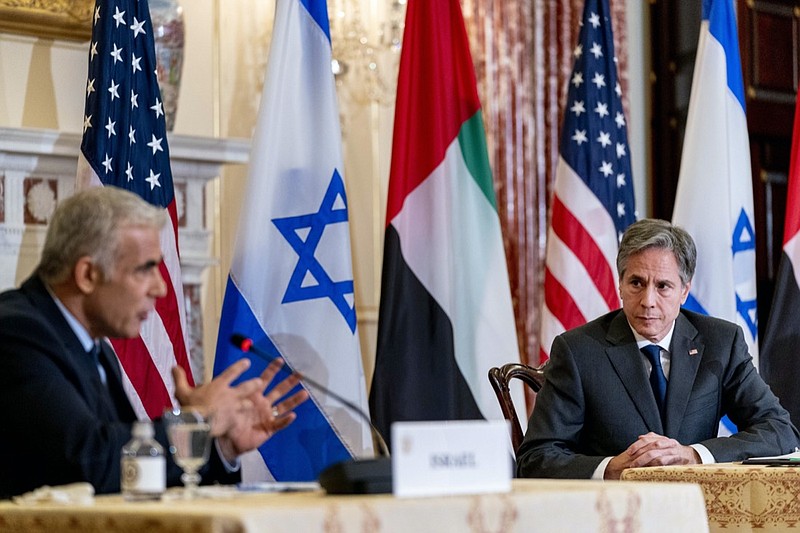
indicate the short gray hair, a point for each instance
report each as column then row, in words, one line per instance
column 655, row 233
column 87, row 224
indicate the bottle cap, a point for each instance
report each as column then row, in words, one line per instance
column 143, row 429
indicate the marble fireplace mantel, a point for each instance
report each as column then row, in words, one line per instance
column 38, row 168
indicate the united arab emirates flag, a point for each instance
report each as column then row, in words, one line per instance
column 780, row 353
column 445, row 311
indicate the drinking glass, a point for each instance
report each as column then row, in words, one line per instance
column 189, row 433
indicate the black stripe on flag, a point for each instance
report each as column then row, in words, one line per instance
column 416, row 375
column 780, row 352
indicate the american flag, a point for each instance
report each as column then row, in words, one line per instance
column 125, row 145
column 593, row 199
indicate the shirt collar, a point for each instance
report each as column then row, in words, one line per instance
column 664, row 343
column 77, row 328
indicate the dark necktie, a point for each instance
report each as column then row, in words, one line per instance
column 94, row 352
column 657, row 380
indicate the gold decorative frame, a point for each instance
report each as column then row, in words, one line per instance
column 52, row 19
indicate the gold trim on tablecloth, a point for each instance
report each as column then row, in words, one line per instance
column 738, row 497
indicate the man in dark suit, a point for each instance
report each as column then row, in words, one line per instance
column 612, row 400
column 64, row 415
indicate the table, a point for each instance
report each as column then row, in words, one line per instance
column 533, row 505
column 738, row 497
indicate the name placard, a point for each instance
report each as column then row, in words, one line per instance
column 459, row 457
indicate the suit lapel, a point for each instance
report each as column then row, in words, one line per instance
column 628, row 362
column 78, row 366
column 686, row 353
column 77, row 363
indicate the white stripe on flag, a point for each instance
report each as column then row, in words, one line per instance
column 291, row 274
column 590, row 212
column 159, row 345
column 133, row 396
column 153, row 334
column 550, row 329
column 172, row 261
column 565, row 266
column 715, row 164
column 455, row 250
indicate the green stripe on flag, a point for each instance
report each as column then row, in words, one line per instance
column 472, row 141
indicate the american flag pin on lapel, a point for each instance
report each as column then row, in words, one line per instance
column 693, row 351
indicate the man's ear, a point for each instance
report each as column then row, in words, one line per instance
column 86, row 275
column 685, row 292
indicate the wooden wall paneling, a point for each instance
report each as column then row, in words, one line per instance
column 768, row 32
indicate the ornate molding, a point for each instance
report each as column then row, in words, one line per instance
column 38, row 168
column 52, row 19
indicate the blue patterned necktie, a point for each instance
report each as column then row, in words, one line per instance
column 657, row 379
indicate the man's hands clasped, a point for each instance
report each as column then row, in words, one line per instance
column 651, row 449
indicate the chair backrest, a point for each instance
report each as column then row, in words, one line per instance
column 500, row 377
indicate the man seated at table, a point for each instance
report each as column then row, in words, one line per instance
column 64, row 414
column 610, row 402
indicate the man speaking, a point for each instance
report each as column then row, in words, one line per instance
column 64, row 413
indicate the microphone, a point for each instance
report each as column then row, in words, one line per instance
column 246, row 345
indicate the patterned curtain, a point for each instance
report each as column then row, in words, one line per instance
column 523, row 56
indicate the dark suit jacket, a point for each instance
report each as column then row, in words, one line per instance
column 597, row 400
column 60, row 424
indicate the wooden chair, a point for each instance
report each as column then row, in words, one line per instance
column 500, row 377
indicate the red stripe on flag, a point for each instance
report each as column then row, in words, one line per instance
column 172, row 211
column 580, row 241
column 543, row 355
column 167, row 309
column 793, row 195
column 428, row 116
column 139, row 366
column 560, row 302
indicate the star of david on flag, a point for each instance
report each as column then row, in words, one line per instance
column 715, row 163
column 291, row 286
column 320, row 285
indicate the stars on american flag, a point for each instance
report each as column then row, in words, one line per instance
column 152, row 179
column 155, row 144
column 116, row 53
column 119, row 16
column 595, row 142
column 124, row 129
column 137, row 27
column 111, row 127
column 157, row 108
column 593, row 191
column 118, row 121
column 113, row 89
column 136, row 63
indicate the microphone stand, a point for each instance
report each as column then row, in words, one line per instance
column 247, row 346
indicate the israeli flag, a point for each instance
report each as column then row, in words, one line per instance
column 290, row 287
column 714, row 200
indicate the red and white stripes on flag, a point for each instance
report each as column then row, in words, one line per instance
column 593, row 193
column 125, row 145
